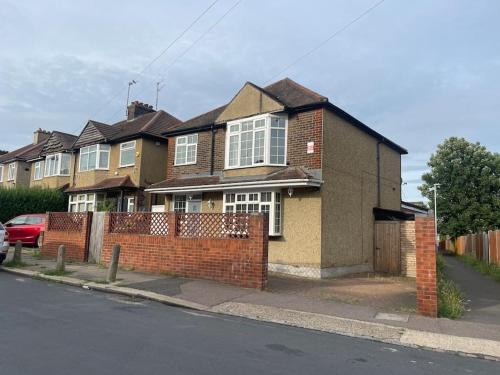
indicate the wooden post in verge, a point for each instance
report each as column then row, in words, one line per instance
column 113, row 265
column 61, row 258
column 17, row 251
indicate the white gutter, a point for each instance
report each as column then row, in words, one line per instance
column 240, row 185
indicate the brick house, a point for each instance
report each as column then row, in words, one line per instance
column 112, row 164
column 15, row 166
column 285, row 150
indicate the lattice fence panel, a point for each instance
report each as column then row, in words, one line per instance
column 66, row 221
column 151, row 223
column 223, row 225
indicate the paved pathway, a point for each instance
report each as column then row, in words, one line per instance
column 482, row 292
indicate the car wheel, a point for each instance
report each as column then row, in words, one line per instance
column 39, row 241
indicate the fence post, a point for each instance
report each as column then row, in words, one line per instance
column 113, row 265
column 61, row 258
column 17, row 251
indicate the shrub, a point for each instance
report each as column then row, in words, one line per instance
column 19, row 201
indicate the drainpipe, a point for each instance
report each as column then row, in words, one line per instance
column 378, row 173
column 212, row 151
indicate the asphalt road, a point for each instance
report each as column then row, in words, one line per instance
column 48, row 328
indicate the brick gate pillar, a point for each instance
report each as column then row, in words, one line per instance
column 426, row 266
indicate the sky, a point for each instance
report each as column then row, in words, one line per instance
column 416, row 71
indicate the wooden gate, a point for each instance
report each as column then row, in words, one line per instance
column 96, row 237
column 387, row 252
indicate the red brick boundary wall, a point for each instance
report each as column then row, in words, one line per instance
column 237, row 261
column 69, row 229
column 426, row 266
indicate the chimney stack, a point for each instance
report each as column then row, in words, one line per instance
column 40, row 135
column 136, row 109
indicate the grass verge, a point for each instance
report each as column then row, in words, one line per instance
column 451, row 301
column 37, row 254
column 491, row 270
column 57, row 273
column 14, row 264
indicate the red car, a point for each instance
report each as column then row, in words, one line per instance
column 26, row 228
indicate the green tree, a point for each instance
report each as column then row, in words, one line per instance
column 469, row 195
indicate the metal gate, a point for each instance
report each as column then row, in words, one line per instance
column 387, row 252
column 96, row 237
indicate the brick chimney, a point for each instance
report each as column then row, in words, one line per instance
column 40, row 135
column 136, row 109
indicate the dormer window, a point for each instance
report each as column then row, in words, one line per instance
column 56, row 165
column 185, row 149
column 256, row 141
column 94, row 157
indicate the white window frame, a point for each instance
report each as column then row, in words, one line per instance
column 58, row 165
column 186, row 144
column 273, row 203
column 87, row 199
column 38, row 170
column 186, row 199
column 1, row 173
column 127, row 146
column 267, row 141
column 100, row 149
column 11, row 174
column 130, row 203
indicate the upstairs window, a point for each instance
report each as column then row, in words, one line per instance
column 259, row 140
column 185, row 149
column 38, row 173
column 94, row 157
column 11, row 172
column 127, row 154
column 56, row 165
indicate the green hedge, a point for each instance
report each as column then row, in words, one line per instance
column 18, row 201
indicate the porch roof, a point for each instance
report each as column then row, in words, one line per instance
column 287, row 177
column 114, row 183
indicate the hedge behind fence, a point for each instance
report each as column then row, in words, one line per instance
column 18, row 201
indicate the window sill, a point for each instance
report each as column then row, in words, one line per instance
column 181, row 165
column 126, row 166
column 255, row 166
column 93, row 170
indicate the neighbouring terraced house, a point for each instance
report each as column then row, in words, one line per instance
column 15, row 166
column 287, row 151
column 112, row 164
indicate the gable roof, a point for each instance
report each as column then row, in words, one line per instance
column 58, row 142
column 295, row 97
column 24, row 153
column 152, row 124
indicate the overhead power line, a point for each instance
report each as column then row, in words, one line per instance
column 187, row 49
column 325, row 41
column 158, row 56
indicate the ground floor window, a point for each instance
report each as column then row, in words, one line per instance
column 84, row 202
column 130, row 204
column 266, row 201
column 187, row 203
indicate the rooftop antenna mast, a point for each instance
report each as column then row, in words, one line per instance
column 159, row 86
column 133, row 82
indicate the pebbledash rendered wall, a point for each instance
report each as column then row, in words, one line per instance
column 237, row 261
column 70, row 230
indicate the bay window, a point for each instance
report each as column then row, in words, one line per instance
column 38, row 172
column 260, row 140
column 57, row 165
column 94, row 157
column 249, row 202
column 11, row 172
column 185, row 149
column 127, row 154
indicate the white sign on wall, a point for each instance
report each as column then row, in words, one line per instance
column 310, row 147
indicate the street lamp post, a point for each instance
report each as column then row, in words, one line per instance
column 434, row 189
